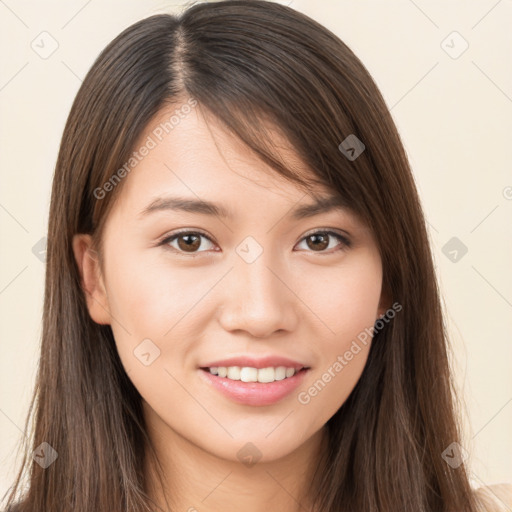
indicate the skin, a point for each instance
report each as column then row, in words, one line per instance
column 295, row 300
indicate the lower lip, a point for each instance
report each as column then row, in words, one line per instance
column 255, row 393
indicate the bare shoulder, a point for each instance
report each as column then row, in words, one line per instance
column 494, row 498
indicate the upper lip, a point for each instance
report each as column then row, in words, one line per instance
column 253, row 362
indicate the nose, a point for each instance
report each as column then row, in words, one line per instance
column 258, row 299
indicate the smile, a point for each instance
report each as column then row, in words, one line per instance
column 249, row 374
column 253, row 386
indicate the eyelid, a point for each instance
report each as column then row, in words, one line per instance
column 326, row 229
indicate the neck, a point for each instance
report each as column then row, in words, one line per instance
column 192, row 479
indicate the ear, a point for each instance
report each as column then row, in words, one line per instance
column 384, row 303
column 91, row 279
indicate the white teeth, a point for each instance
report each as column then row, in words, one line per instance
column 266, row 374
column 289, row 372
column 234, row 372
column 249, row 374
column 280, row 373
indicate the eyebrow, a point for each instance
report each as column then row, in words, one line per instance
column 201, row 206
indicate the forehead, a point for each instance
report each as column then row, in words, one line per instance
column 195, row 150
column 192, row 163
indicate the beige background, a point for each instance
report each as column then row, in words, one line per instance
column 455, row 118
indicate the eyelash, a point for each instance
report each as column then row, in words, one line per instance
column 345, row 242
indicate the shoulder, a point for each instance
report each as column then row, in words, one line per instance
column 494, row 498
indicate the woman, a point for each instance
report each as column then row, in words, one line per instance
column 241, row 309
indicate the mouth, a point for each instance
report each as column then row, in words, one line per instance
column 247, row 385
column 251, row 374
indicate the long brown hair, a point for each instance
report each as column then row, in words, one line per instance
column 251, row 63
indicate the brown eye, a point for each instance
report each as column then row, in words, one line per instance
column 187, row 242
column 318, row 241
column 321, row 240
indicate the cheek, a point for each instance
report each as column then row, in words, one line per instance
column 346, row 300
column 348, row 308
column 150, row 297
column 152, row 309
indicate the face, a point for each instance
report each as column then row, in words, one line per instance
column 201, row 305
